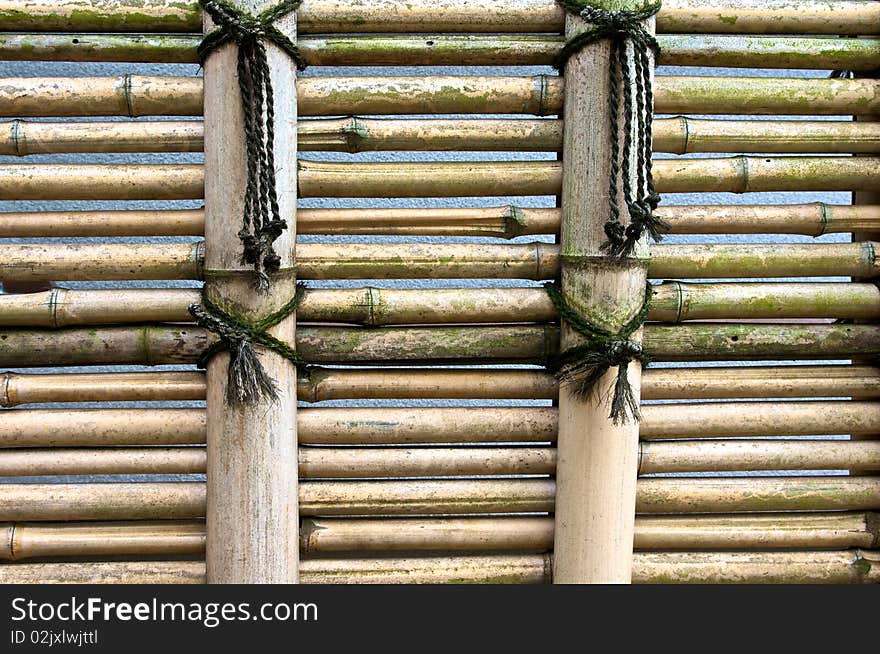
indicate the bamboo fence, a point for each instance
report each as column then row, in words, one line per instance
column 759, row 473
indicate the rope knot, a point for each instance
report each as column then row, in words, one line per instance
column 582, row 366
column 261, row 221
column 247, row 380
column 629, row 86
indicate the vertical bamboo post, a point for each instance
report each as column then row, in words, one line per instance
column 252, row 511
column 597, row 461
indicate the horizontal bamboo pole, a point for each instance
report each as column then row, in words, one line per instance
column 455, row 50
column 22, row 137
column 455, row 178
column 102, row 461
column 372, row 306
column 34, row 540
column 134, row 95
column 539, row 261
column 737, row 456
column 678, row 135
column 421, row 425
column 830, row 567
column 18, row 389
column 102, row 427
column 319, row 384
column 22, row 541
column 128, row 95
column 758, row 531
column 437, row 179
column 401, row 462
column 500, row 222
column 332, row 16
column 101, row 182
column 164, row 344
column 185, row 500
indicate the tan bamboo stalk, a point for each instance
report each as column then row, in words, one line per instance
column 832, row 567
column 22, row 137
column 174, row 222
column 101, row 182
column 759, row 531
column 18, row 389
column 21, row 541
column 252, row 520
column 501, row 222
column 333, row 96
column 398, row 462
column 129, row 95
column 455, row 178
column 319, row 384
column 744, row 419
column 33, row 540
column 140, row 501
column 100, row 262
column 332, row 16
column 678, row 135
column 146, row 572
column 669, row 495
column 419, row 426
column 741, row 455
column 437, row 179
column 102, row 427
column 372, row 306
column 170, row 344
column 597, row 462
column 146, row 48
column 103, row 461
column 186, row 500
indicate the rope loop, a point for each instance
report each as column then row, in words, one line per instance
column 630, row 77
column 261, row 221
column 247, row 382
column 582, row 366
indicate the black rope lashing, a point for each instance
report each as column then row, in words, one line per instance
column 261, row 222
column 248, row 382
column 625, row 31
column 582, row 366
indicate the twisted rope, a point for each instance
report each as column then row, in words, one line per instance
column 582, row 366
column 261, row 223
column 248, row 382
column 625, row 31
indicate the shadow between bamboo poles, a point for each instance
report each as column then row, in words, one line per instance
column 597, row 460
column 252, row 522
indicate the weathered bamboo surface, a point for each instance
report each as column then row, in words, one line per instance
column 759, row 531
column 537, row 261
column 33, row 540
column 455, row 50
column 418, row 426
column 22, row 137
column 829, row 567
column 101, row 182
column 319, row 384
column 373, row 306
column 332, row 16
column 500, row 222
column 402, row 462
column 22, row 541
column 739, row 174
column 170, row 344
column 186, row 500
column 134, row 95
column 678, row 135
